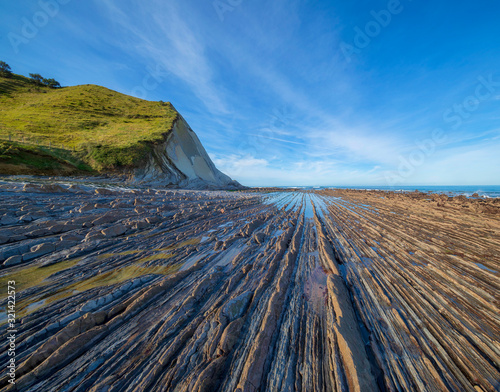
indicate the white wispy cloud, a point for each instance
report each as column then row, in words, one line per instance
column 166, row 37
column 181, row 48
column 236, row 69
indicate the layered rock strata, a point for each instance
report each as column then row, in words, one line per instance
column 170, row 290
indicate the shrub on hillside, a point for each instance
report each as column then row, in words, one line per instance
column 36, row 79
column 52, row 83
column 5, row 69
column 39, row 80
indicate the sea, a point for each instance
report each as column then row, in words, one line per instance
column 486, row 191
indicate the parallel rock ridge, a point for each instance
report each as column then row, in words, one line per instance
column 178, row 290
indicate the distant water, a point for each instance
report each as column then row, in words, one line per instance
column 451, row 190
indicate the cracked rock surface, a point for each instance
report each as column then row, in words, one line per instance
column 181, row 290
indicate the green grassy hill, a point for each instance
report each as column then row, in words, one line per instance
column 75, row 129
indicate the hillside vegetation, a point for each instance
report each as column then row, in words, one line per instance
column 87, row 127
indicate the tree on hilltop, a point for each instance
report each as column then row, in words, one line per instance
column 36, row 78
column 41, row 81
column 52, row 83
column 5, row 69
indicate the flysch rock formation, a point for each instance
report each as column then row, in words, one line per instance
column 181, row 160
column 183, row 290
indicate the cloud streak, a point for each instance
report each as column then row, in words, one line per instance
column 270, row 94
column 169, row 40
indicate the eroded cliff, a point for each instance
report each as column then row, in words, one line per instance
column 181, row 160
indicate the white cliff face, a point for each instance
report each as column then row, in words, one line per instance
column 182, row 160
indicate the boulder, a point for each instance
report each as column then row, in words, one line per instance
column 250, row 227
column 65, row 244
column 44, row 188
column 86, row 207
column 218, row 245
column 39, row 250
column 153, row 219
column 235, row 307
column 230, row 335
column 13, row 260
column 105, row 192
column 26, row 218
column 140, row 224
column 114, row 231
column 6, row 252
column 57, row 228
column 108, row 217
column 8, row 220
column 76, row 189
column 53, row 188
column 94, row 235
column 140, row 210
column 259, row 237
column 71, row 237
column 39, row 233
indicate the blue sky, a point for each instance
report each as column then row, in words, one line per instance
column 292, row 92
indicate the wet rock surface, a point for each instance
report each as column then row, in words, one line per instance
column 174, row 290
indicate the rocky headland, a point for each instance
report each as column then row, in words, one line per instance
column 92, row 131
